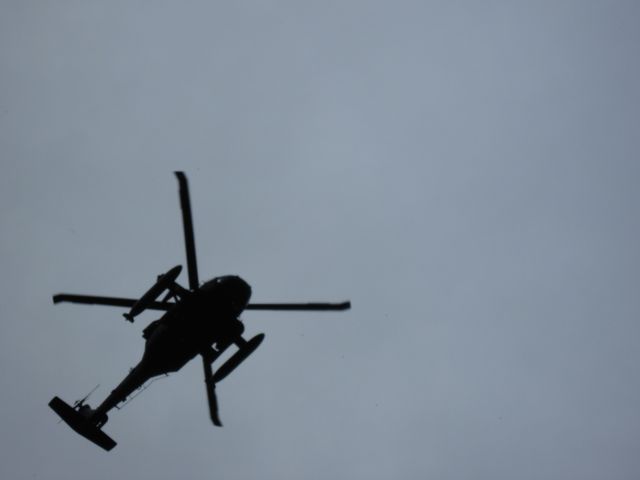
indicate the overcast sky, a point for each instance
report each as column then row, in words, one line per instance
column 465, row 172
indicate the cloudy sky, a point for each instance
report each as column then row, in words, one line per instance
column 465, row 172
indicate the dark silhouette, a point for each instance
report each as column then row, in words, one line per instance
column 201, row 320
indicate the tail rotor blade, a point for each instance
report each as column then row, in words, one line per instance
column 211, row 393
column 187, row 224
column 81, row 401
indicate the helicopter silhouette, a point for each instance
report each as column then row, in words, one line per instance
column 201, row 320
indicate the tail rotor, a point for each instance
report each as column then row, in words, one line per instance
column 80, row 403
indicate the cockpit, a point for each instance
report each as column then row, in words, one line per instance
column 229, row 290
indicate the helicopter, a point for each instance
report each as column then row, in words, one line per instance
column 200, row 320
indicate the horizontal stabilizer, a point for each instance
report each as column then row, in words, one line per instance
column 81, row 425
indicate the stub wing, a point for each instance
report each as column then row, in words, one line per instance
column 81, row 425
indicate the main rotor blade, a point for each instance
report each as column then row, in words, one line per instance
column 110, row 301
column 187, row 224
column 211, row 392
column 299, row 306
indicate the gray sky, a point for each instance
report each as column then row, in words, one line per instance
column 465, row 173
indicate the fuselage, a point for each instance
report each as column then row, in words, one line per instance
column 201, row 319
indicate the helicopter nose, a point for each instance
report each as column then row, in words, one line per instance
column 241, row 291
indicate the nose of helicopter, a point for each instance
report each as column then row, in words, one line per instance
column 240, row 292
column 230, row 289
